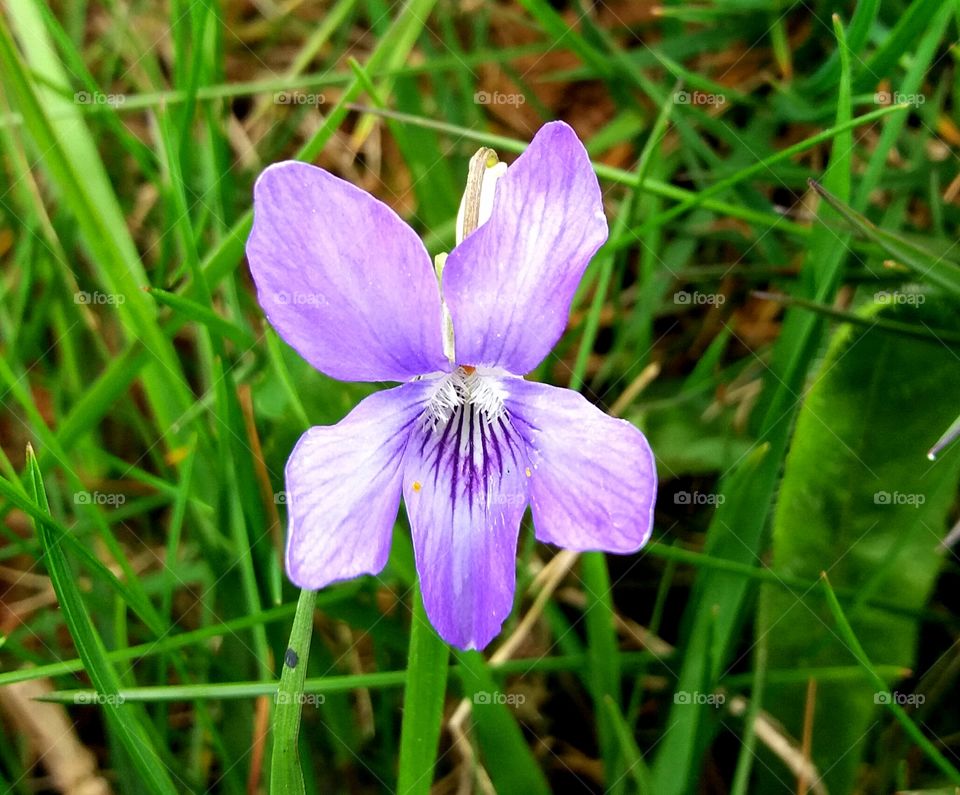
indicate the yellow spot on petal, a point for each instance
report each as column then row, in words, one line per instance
column 529, row 473
column 417, row 485
column 469, row 369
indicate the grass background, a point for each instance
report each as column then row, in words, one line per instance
column 790, row 362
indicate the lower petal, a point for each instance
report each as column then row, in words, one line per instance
column 464, row 485
column 594, row 477
column 343, row 489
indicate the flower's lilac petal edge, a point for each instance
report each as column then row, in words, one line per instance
column 464, row 485
column 343, row 488
column 594, row 480
column 509, row 285
column 342, row 278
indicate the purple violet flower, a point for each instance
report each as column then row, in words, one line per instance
column 466, row 440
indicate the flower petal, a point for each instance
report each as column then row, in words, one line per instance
column 594, row 477
column 342, row 278
column 509, row 285
column 465, row 491
column 343, row 488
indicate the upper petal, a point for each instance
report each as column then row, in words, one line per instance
column 510, row 284
column 343, row 489
column 594, row 480
column 342, row 278
column 464, row 485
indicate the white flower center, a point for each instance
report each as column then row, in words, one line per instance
column 465, row 386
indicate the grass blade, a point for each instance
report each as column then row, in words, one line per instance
column 126, row 722
column 925, row 264
column 423, row 697
column 911, row 728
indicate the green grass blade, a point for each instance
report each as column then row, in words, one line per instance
column 423, row 698
column 909, row 726
column 181, row 640
column 603, row 654
column 637, row 767
column 511, row 765
column 200, row 313
column 134, row 597
column 339, row 683
column 67, row 153
column 936, row 269
column 126, row 722
column 766, row 165
column 895, row 326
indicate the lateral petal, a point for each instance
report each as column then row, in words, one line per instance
column 594, row 480
column 343, row 489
